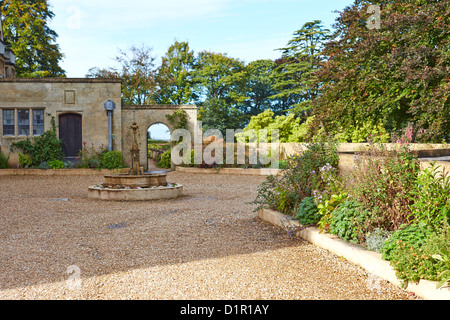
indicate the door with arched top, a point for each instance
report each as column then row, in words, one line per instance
column 70, row 132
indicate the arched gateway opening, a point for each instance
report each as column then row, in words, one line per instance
column 158, row 143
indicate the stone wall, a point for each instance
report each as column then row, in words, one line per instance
column 57, row 96
column 145, row 116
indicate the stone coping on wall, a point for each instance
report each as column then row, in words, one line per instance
column 158, row 106
column 238, row 171
column 56, row 172
column 369, row 260
column 63, row 80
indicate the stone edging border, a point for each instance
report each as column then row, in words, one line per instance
column 371, row 261
column 254, row 172
column 55, row 172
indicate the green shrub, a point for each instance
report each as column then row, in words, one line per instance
column 413, row 259
column 25, row 161
column 166, row 160
column 112, row 160
column 43, row 148
column 383, row 180
column 307, row 212
column 285, row 192
column 414, row 235
column 431, row 196
column 326, row 208
column 90, row 157
column 346, row 221
column 56, row 164
column 4, row 161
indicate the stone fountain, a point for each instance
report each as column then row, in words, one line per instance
column 135, row 184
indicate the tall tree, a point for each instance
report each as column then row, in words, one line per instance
column 137, row 71
column 33, row 42
column 295, row 76
column 259, row 89
column 391, row 77
column 173, row 77
column 219, row 88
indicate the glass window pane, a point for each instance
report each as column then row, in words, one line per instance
column 38, row 122
column 8, row 122
column 24, row 122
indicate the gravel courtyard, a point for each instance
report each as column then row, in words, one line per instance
column 208, row 244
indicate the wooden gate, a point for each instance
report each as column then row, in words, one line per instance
column 70, row 132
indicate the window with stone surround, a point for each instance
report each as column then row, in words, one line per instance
column 8, row 122
column 27, row 122
column 38, row 122
column 23, row 116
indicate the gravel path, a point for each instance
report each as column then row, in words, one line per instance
column 209, row 244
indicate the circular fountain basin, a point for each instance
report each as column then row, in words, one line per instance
column 133, row 181
column 140, row 194
column 124, row 187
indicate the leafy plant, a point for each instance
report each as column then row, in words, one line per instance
column 326, row 207
column 25, row 160
column 285, row 192
column 307, row 212
column 166, row 160
column 383, row 180
column 431, row 196
column 4, row 161
column 43, row 148
column 414, row 234
column 412, row 258
column 444, row 256
column 90, row 157
column 56, row 164
column 112, row 160
column 346, row 221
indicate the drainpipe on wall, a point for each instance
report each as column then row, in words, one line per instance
column 110, row 106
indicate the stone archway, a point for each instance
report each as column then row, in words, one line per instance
column 145, row 116
column 158, row 142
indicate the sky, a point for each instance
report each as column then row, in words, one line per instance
column 91, row 32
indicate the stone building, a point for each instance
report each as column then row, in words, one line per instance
column 28, row 105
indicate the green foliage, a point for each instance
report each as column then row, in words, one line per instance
column 26, row 30
column 4, row 161
column 166, row 160
column 367, row 131
column 382, row 180
column 178, row 119
column 286, row 192
column 411, row 251
column 307, row 212
column 379, row 78
column 56, row 164
column 174, row 76
column 444, row 256
column 90, row 157
column 25, row 161
column 431, row 196
column 412, row 234
column 112, row 160
column 347, row 220
column 44, row 148
column 295, row 75
column 290, row 127
column 326, row 208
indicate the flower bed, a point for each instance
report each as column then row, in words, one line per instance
column 386, row 204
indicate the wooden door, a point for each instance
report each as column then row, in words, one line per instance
column 70, row 132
